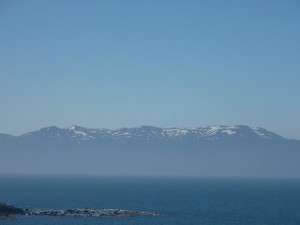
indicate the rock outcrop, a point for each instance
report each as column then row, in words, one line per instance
column 87, row 212
column 10, row 212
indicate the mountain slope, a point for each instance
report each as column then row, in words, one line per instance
column 205, row 151
column 77, row 134
column 5, row 137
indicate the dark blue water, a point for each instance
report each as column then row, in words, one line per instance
column 184, row 201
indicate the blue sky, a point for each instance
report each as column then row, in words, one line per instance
column 163, row 63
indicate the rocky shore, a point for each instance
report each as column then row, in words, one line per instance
column 87, row 212
column 11, row 212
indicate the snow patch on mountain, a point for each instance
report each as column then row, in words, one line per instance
column 228, row 132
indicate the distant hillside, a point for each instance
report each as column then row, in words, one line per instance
column 147, row 134
column 212, row 150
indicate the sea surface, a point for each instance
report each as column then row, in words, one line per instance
column 179, row 201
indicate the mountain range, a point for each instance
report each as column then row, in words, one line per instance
column 148, row 150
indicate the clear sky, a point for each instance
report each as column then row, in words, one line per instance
column 150, row 62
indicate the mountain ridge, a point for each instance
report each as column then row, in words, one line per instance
column 148, row 150
column 152, row 132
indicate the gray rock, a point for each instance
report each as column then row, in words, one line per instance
column 86, row 212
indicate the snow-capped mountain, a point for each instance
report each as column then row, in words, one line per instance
column 208, row 151
column 79, row 134
column 156, row 133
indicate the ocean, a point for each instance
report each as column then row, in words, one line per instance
column 178, row 201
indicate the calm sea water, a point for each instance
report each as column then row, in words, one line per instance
column 182, row 201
